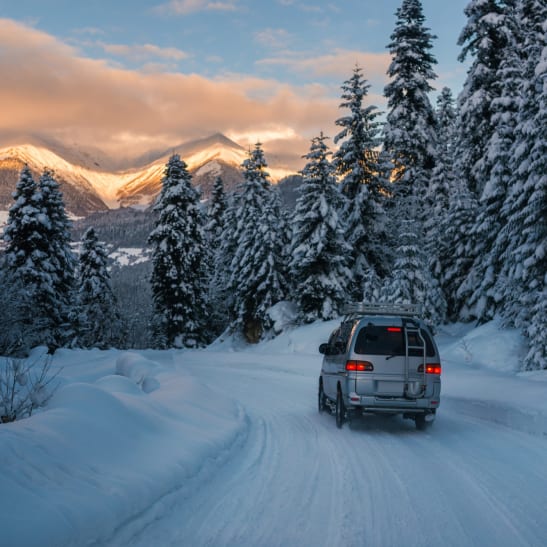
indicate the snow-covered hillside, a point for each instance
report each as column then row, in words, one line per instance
column 225, row 447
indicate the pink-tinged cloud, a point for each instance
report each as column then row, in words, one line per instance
column 184, row 7
column 49, row 89
column 338, row 64
column 141, row 52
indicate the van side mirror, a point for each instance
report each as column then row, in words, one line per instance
column 335, row 349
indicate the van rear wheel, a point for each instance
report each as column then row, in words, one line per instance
column 421, row 423
column 340, row 409
column 321, row 399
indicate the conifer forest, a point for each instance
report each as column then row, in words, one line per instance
column 442, row 205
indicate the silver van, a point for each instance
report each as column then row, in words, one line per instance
column 382, row 359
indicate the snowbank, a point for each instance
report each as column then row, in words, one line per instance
column 480, row 376
column 106, row 448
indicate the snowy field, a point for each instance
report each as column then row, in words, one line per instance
column 226, row 448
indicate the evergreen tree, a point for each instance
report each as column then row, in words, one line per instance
column 536, row 332
column 454, row 248
column 484, row 37
column 99, row 322
column 222, row 297
column 485, row 299
column 409, row 132
column 411, row 281
column 319, row 253
column 442, row 177
column 178, row 277
column 410, row 142
column 356, row 163
column 14, row 318
column 61, row 257
column 23, row 236
column 355, row 160
column 257, row 274
column 39, row 259
column 270, row 257
column 523, row 238
column 215, row 214
column 442, row 184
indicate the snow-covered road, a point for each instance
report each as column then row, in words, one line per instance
column 225, row 447
column 294, row 479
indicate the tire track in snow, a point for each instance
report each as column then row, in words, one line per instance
column 298, row 480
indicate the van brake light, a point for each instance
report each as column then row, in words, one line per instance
column 430, row 368
column 359, row 366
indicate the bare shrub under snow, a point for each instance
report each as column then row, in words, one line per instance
column 25, row 385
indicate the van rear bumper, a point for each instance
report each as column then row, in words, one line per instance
column 391, row 404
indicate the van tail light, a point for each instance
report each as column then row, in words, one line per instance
column 430, row 368
column 359, row 366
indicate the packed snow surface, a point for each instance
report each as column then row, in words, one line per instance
column 225, row 447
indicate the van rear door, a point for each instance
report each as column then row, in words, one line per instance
column 384, row 347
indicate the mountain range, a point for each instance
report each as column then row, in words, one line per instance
column 88, row 187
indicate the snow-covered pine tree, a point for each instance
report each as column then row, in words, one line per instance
column 411, row 281
column 357, row 166
column 256, row 272
column 442, row 177
column 99, row 323
column 271, row 259
column 410, row 142
column 217, row 218
column 454, row 248
column 61, row 257
column 484, row 37
column 355, row 160
column 221, row 295
column 215, row 214
column 23, row 239
column 485, row 298
column 536, row 332
column 410, row 128
column 523, row 278
column 442, row 184
column 319, row 253
column 39, row 259
column 178, row 277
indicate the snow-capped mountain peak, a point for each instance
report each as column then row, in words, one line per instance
column 89, row 188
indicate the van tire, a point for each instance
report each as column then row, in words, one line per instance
column 421, row 423
column 321, row 398
column 340, row 409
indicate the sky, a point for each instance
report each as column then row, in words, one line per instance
column 134, row 75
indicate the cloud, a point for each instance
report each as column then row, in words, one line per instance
column 338, row 64
column 49, row 89
column 90, row 31
column 184, row 7
column 273, row 38
column 139, row 52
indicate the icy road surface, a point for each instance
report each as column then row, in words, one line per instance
column 293, row 479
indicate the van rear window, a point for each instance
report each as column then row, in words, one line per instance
column 380, row 340
column 383, row 340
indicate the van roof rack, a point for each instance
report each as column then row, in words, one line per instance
column 407, row 310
